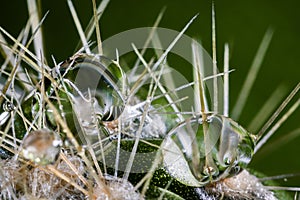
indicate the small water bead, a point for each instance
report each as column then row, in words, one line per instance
column 41, row 146
column 220, row 152
column 8, row 106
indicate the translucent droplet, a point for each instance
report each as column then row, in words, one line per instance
column 41, row 147
column 8, row 106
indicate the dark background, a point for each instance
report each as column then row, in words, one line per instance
column 240, row 23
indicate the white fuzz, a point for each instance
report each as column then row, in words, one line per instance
column 242, row 186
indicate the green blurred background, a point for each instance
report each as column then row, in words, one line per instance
column 240, row 23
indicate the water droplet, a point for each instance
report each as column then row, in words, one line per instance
column 41, row 147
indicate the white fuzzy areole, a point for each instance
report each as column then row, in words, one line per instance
column 242, row 186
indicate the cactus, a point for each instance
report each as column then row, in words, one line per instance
column 89, row 127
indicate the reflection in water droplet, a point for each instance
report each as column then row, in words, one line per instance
column 226, row 143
